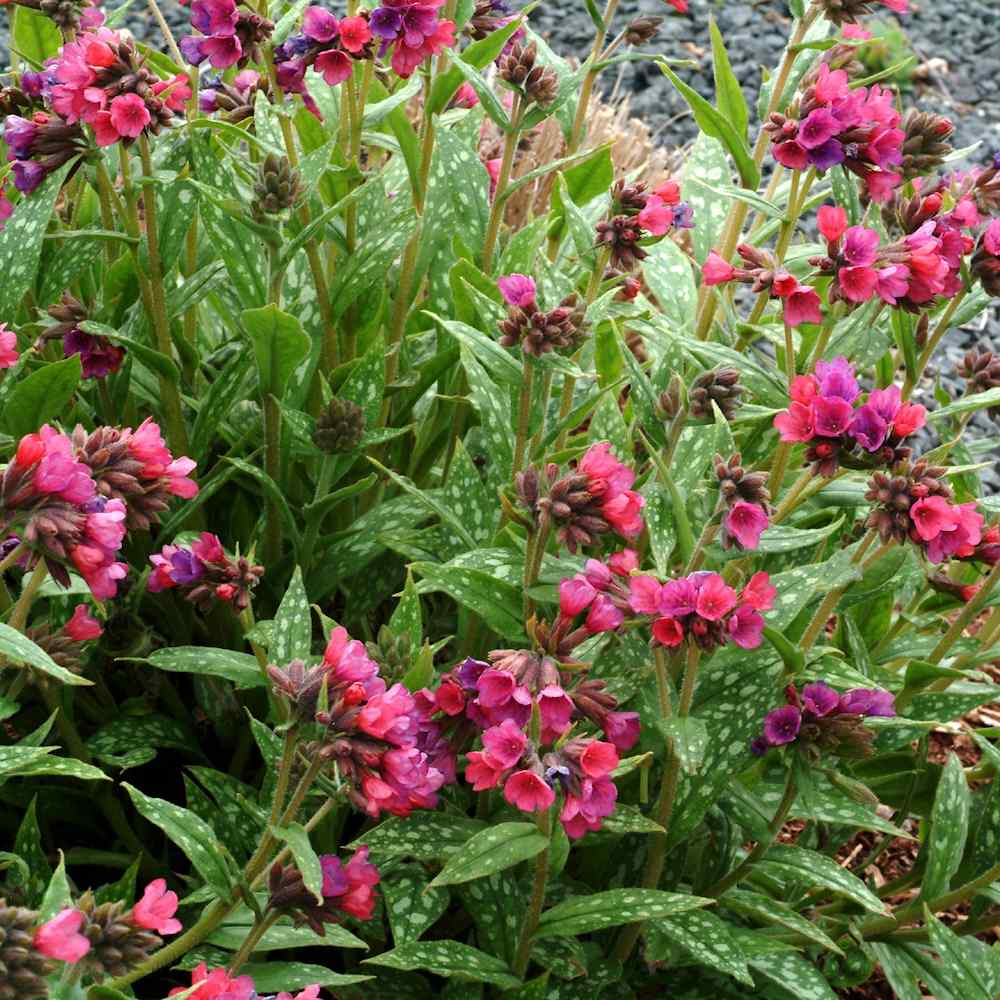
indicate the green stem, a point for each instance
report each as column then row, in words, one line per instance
column 523, row 413
column 762, row 846
column 967, row 614
column 272, row 465
column 510, row 142
column 157, row 302
column 792, row 498
column 175, row 52
column 5, row 564
column 940, row 329
column 533, row 556
column 576, row 136
column 538, row 886
column 259, row 929
column 657, row 855
column 19, row 616
column 827, row 605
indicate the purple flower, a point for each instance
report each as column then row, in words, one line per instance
column 868, row 701
column 98, row 356
column 827, row 155
column 19, row 134
column 820, row 699
column 886, row 402
column 683, row 216
column 831, row 417
column 319, row 24
column 186, row 567
column 868, row 428
column 836, row 378
column 335, row 882
column 469, row 673
column 818, row 127
column 385, row 22
column 33, row 84
column 860, row 246
column 678, row 597
column 28, row 175
column 192, row 49
column 782, row 725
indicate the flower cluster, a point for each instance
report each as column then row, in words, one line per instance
column 6, row 205
column 376, row 735
column 909, row 273
column 348, row 889
column 826, row 413
column 702, row 608
column 847, row 12
column 100, row 80
column 234, row 98
column 65, row 645
column 230, row 34
column 832, row 125
column 746, row 500
column 580, row 769
column 594, row 498
column 38, row 146
column 205, row 573
column 763, row 272
column 110, row 938
column 535, row 331
column 985, row 263
column 99, row 357
column 413, row 30
column 817, row 718
column 917, row 505
column 326, row 44
column 217, row 984
column 637, row 215
column 68, row 15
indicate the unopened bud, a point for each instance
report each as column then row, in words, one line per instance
column 340, row 427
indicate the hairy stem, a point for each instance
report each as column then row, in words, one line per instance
column 539, row 884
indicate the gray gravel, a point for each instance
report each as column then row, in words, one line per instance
column 965, row 35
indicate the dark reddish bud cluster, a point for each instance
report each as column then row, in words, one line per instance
column 985, row 263
column 538, row 332
column 841, row 12
column 893, row 496
column 926, row 143
column 621, row 235
column 641, row 30
column 520, row 68
column 117, row 943
column 981, row 371
column 718, row 385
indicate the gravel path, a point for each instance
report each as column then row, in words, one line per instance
column 962, row 39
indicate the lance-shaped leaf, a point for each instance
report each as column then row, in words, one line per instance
column 279, row 343
column 492, row 850
column 580, row 914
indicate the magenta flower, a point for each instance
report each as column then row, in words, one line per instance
column 575, row 594
column 528, row 792
column 796, row 423
column 782, row 725
column 932, row 515
column 604, row 616
column 868, row 701
column 83, row 626
column 745, row 522
column 716, row 270
column 319, row 24
column 60, row 937
column 155, row 911
column 832, row 416
column 8, row 347
column 504, row 744
column 820, row 699
column 746, row 627
column 517, row 290
column 819, row 126
column 715, row 598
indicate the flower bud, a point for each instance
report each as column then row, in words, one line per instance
column 719, row 385
column 340, row 427
column 277, row 188
column 642, row 29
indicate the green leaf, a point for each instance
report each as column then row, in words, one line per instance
column 496, row 602
column 449, row 959
column 785, row 538
column 41, row 396
column 407, row 618
column 280, row 345
column 306, row 860
column 232, row 934
column 36, row 36
column 57, row 896
column 703, row 936
column 612, row 908
column 503, row 367
column 28, row 847
column 492, row 850
column 668, row 273
column 958, row 967
column 365, row 386
column 689, row 736
column 949, row 828
column 787, row 970
column 191, row 834
column 426, row 836
column 275, row 977
column 292, row 637
column 242, row 668
column 967, row 404
column 21, row 650
column 282, row 29
column 628, row 819
column 728, row 95
column 716, row 125
column 813, row 869
column 706, row 163
column 411, row 904
column 774, row 911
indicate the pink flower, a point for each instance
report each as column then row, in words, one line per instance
column 831, row 85
column 795, row 424
column 855, row 32
column 669, row 192
column 656, row 217
column 575, row 594
column 716, row 270
column 309, row 993
column 932, row 515
column 791, row 154
column 603, row 616
column 348, row 660
column 155, row 911
column 819, row 126
column 644, row 595
column 622, row 729
column 528, row 792
column 622, row 563
column 746, row 627
column 358, row 900
column 555, row 708
column 909, row 418
column 803, row 306
column 482, row 770
column 83, row 626
column 598, row 759
column 759, row 593
column 832, row 220
column 217, row 985
column 517, row 290
column 746, row 522
column 319, row 24
column 388, row 716
column 60, row 937
column 465, row 97
column 597, row 574
column 668, row 632
column 504, row 744
column 715, row 598
column 354, row 33
column 623, row 513
column 991, row 238
column 334, row 66
column 8, row 347
column 129, row 115
column 858, row 284
column 804, row 388
column 681, row 6
column 832, row 416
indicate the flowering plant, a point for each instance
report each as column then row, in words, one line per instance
column 446, row 553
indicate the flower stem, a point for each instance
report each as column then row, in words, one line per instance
column 762, row 846
column 523, row 414
column 155, row 297
column 829, row 602
column 19, row 616
column 538, row 886
column 579, row 121
column 966, row 615
column 791, row 500
column 912, row 378
column 259, row 929
column 510, row 142
column 175, row 52
column 657, row 855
